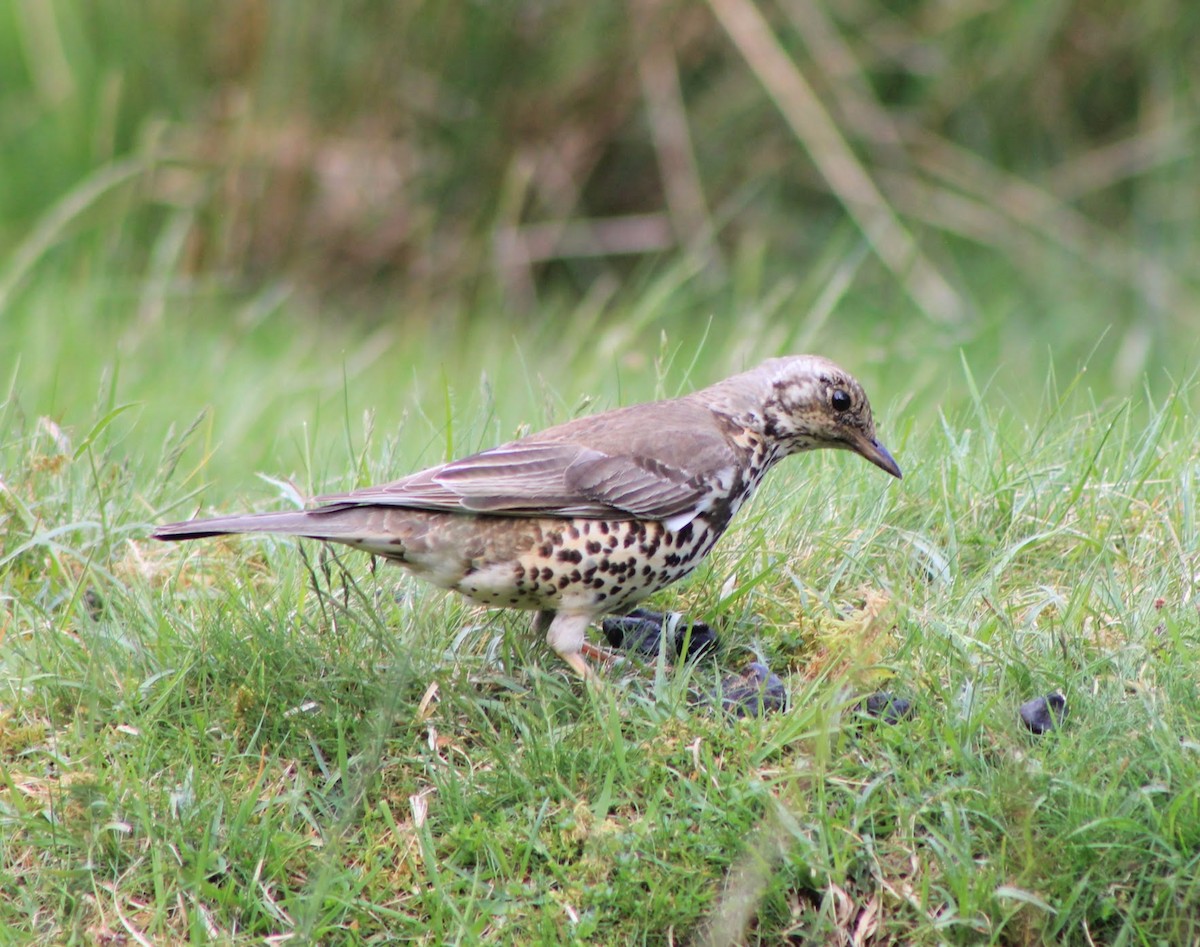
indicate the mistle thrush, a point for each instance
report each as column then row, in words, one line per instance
column 589, row 517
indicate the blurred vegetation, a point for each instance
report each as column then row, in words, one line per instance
column 1030, row 160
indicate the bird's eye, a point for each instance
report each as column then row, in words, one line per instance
column 840, row 400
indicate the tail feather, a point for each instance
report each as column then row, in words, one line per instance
column 300, row 523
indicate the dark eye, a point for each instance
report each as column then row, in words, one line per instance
column 840, row 400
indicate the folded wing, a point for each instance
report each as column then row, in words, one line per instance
column 659, row 474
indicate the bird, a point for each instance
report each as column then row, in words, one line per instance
column 590, row 517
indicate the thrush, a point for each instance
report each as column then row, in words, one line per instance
column 590, row 517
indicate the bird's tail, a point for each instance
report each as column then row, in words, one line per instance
column 310, row 523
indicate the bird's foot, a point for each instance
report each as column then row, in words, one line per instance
column 601, row 655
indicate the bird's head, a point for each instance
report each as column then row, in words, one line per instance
column 805, row 402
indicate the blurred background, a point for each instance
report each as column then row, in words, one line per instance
column 370, row 205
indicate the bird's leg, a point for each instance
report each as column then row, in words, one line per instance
column 542, row 624
column 564, row 633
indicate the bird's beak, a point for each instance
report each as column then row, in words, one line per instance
column 876, row 453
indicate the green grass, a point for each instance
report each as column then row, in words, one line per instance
column 254, row 253
column 227, row 741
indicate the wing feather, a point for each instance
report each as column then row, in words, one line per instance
column 618, row 467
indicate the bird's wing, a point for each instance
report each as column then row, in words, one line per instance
column 533, row 477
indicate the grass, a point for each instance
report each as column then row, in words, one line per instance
column 244, row 739
column 354, row 240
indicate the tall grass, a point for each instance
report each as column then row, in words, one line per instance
column 1033, row 158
